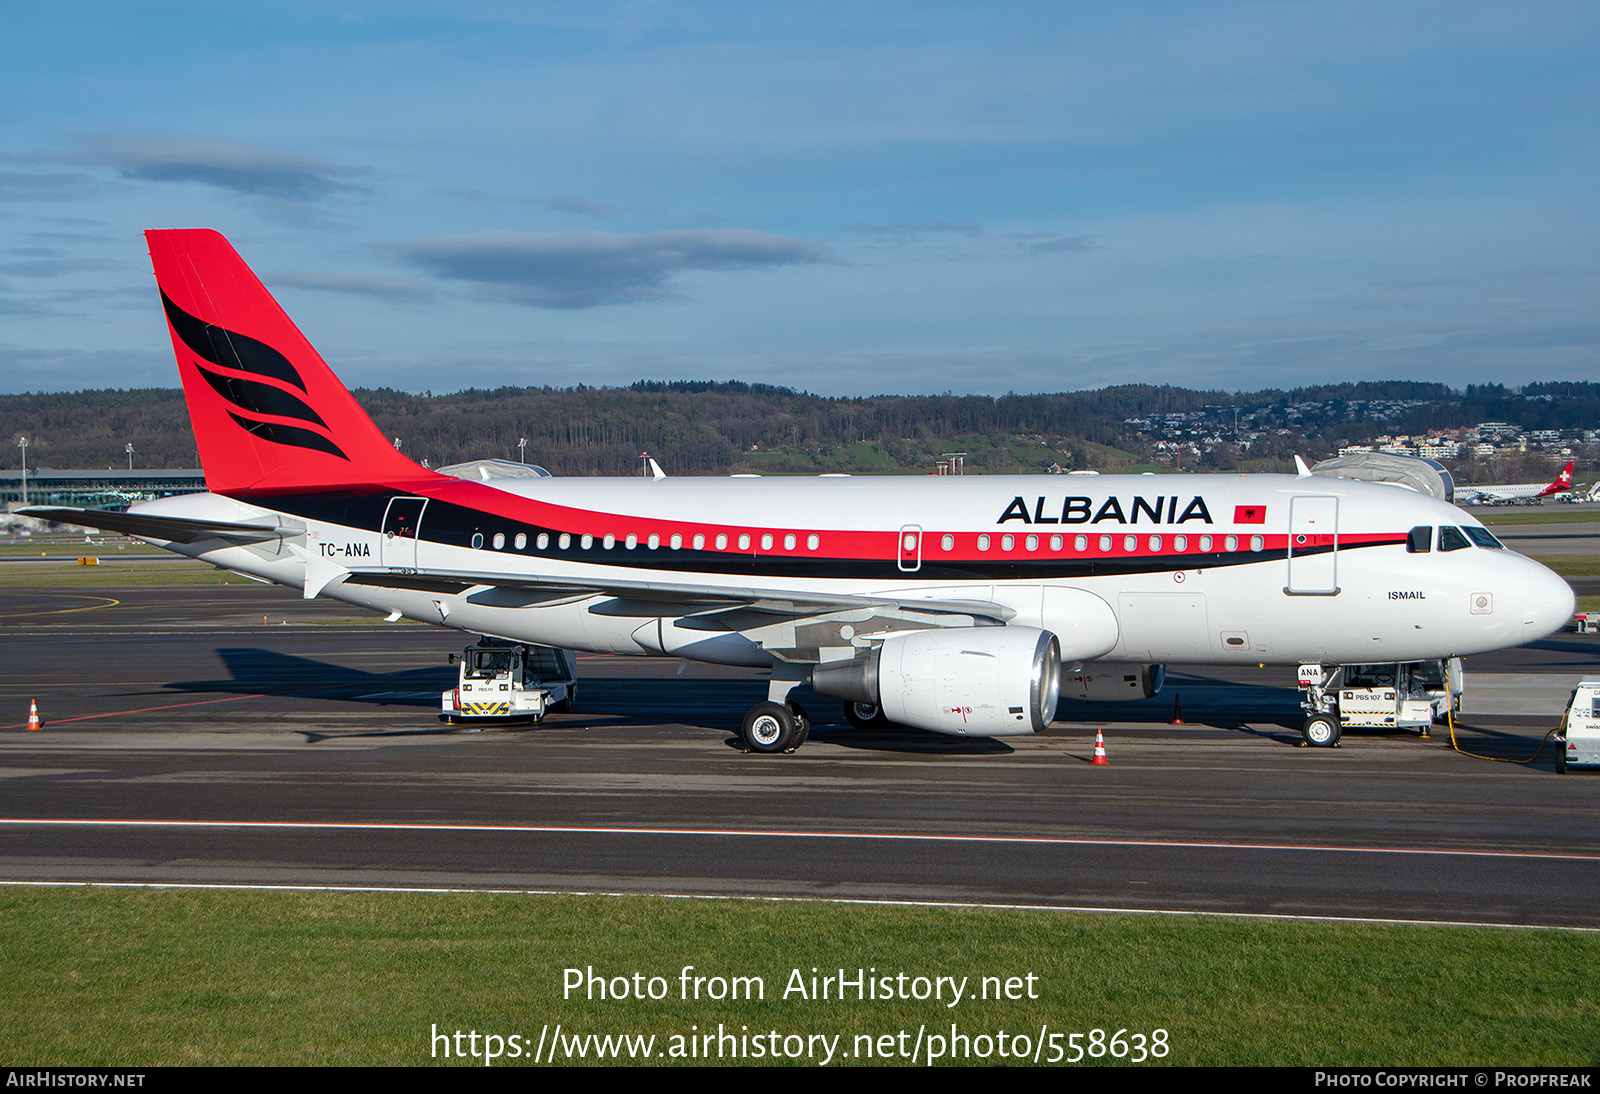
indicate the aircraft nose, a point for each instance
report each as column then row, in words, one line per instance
column 1547, row 602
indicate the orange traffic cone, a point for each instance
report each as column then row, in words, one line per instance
column 1099, row 749
column 33, row 714
column 1177, row 711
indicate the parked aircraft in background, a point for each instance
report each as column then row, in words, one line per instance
column 1517, row 492
column 963, row 605
column 1581, row 494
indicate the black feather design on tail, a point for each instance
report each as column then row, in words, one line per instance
column 290, row 435
column 229, row 349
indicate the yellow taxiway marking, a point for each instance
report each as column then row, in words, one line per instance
column 107, row 602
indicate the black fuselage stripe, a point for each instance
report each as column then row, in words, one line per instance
column 451, row 525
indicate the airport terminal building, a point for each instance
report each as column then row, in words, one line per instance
column 111, row 488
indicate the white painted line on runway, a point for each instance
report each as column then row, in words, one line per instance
column 1083, row 909
column 754, row 833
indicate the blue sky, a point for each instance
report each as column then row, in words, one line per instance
column 845, row 198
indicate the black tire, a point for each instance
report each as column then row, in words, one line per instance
column 1321, row 731
column 769, row 727
column 865, row 715
column 1561, row 760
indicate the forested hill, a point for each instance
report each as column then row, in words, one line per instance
column 697, row 428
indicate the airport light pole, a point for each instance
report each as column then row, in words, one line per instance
column 23, row 444
column 522, row 450
column 130, row 455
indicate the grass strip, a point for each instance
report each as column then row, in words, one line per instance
column 125, row 978
column 1537, row 516
column 1571, row 565
column 70, row 575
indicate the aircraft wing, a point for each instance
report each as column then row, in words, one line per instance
column 174, row 529
column 792, row 625
column 694, row 597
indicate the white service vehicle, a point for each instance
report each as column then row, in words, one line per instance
column 1582, row 744
column 501, row 679
column 1407, row 695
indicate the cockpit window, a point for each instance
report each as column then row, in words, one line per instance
column 1419, row 541
column 1482, row 537
column 1451, row 539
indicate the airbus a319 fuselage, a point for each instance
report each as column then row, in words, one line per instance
column 955, row 604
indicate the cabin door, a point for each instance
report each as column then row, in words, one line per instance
column 401, row 522
column 1313, row 546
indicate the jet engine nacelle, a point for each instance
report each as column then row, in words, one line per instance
column 968, row 681
column 1109, row 683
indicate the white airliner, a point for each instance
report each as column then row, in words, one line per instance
column 1522, row 491
column 963, row 605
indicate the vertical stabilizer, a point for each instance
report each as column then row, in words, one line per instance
column 269, row 415
column 1563, row 481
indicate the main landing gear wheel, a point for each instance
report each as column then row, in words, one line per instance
column 1320, row 731
column 770, row 727
column 865, row 715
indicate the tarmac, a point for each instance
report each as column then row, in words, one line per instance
column 238, row 735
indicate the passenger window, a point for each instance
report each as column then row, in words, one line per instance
column 1451, row 539
column 1419, row 541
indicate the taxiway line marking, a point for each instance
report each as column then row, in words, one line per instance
column 109, row 603
column 223, row 699
column 1092, row 909
column 749, row 833
column 146, row 710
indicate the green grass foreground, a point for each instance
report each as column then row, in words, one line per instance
column 1542, row 515
column 1571, row 565
column 69, row 575
column 125, row 978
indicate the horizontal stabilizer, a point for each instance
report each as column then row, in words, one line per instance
column 172, row 529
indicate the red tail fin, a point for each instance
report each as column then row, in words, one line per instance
column 1563, row 482
column 269, row 415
